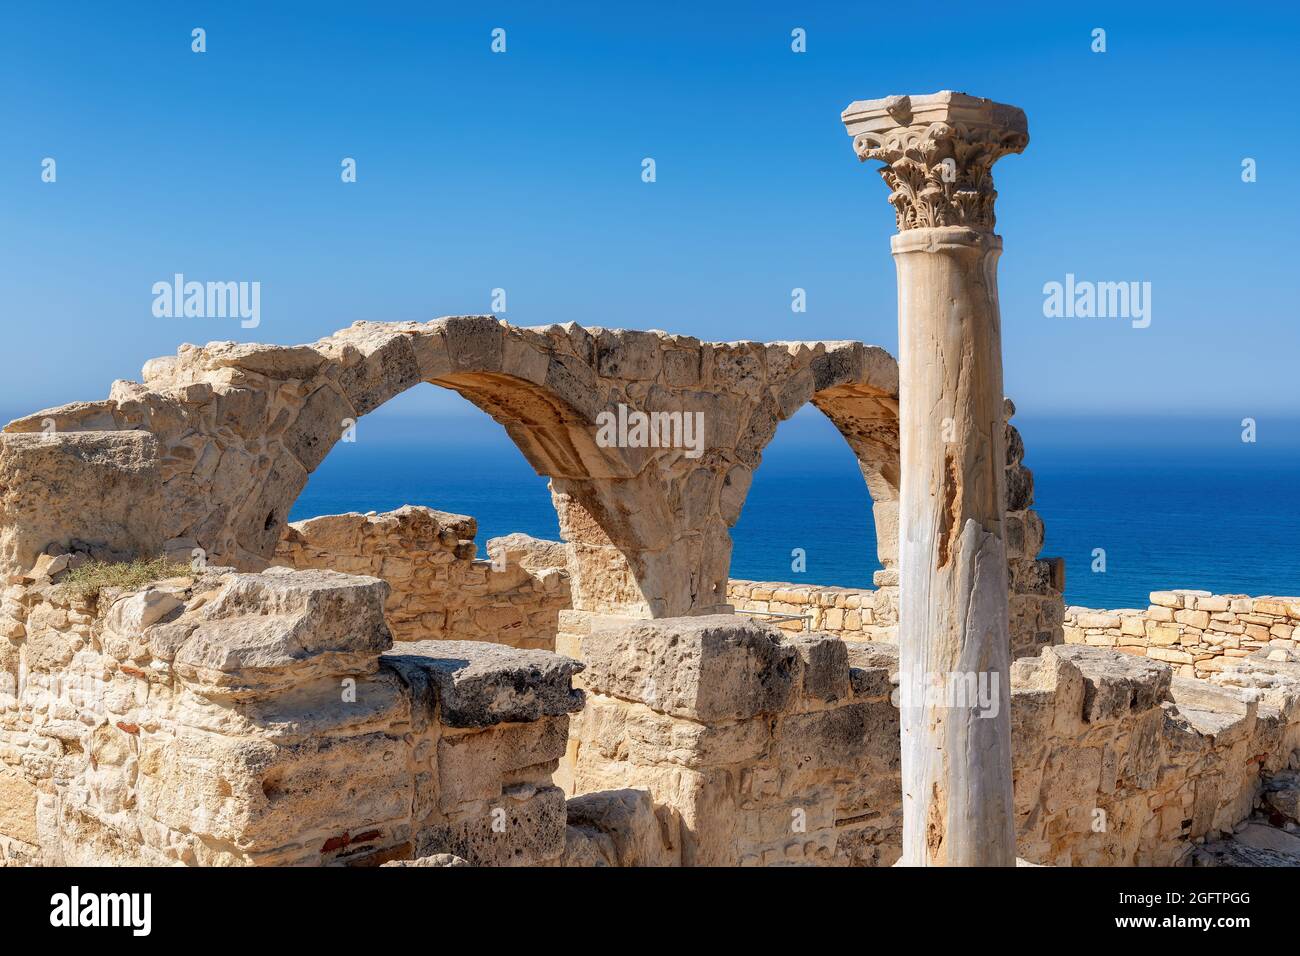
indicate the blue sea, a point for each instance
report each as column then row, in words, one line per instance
column 1172, row 502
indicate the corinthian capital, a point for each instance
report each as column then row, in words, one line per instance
column 938, row 152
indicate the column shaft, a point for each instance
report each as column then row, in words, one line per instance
column 953, row 635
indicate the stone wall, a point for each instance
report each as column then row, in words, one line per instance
column 439, row 590
column 261, row 719
column 758, row 746
column 1118, row 762
column 1198, row 632
column 849, row 613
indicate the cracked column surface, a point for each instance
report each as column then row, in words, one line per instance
column 938, row 152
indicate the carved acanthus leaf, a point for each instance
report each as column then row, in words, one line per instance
column 940, row 174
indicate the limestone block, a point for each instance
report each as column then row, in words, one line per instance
column 826, row 740
column 707, row 668
column 474, row 342
column 1132, row 625
column 477, row 684
column 1161, row 635
column 1116, row 684
column 263, row 630
column 524, row 826
column 276, row 804
column 625, row 826
column 1071, row 778
column 528, row 552
column 1097, row 619
column 51, row 640
column 825, row 666
column 318, row 425
column 100, row 490
column 1222, row 728
column 17, row 807
column 1169, row 655
column 1270, row 605
column 655, row 738
column 1199, row 695
column 135, row 612
column 476, row 765
column 1199, row 619
column 1019, row 489
column 376, row 368
column 261, row 522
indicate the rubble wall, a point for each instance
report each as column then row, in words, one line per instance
column 1199, row 633
column 265, row 719
column 438, row 589
column 758, row 746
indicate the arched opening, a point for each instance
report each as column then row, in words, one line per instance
column 812, row 488
column 433, row 497
column 541, row 385
column 429, row 447
column 807, row 518
column 237, row 429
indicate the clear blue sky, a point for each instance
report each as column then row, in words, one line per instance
column 522, row 170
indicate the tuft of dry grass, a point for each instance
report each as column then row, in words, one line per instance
column 85, row 582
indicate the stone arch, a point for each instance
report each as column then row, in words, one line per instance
column 212, row 448
column 237, row 429
column 856, row 387
column 868, row 420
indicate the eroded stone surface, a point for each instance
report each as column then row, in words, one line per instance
column 713, row 667
column 249, row 719
column 478, row 684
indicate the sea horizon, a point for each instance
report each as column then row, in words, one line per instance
column 1173, row 502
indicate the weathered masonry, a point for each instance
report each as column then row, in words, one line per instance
column 244, row 713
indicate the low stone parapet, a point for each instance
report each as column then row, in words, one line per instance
column 865, row 614
column 439, row 588
column 860, row 614
column 1197, row 632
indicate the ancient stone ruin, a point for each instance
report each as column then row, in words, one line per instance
column 364, row 689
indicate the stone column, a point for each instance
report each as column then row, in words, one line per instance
column 954, row 652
